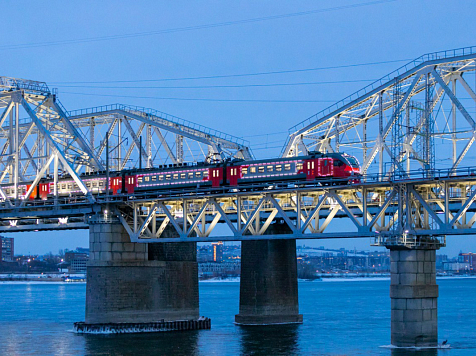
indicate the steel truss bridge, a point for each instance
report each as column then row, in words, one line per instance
column 412, row 131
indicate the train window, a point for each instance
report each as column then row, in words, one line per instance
column 88, row 184
column 63, row 186
column 244, row 170
column 205, row 174
column 198, row 174
column 261, row 169
column 269, row 168
column 190, row 176
column 252, row 169
column 7, row 191
column 95, row 184
column 175, row 176
column 153, row 178
column 183, row 175
column 139, row 180
column 325, row 163
column 100, row 183
column 299, row 166
column 146, row 178
column 287, row 167
column 161, row 177
column 338, row 163
column 70, row 186
column 168, row 176
column 278, row 168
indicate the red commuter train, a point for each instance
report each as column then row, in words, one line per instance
column 328, row 168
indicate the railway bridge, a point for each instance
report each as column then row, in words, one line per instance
column 412, row 131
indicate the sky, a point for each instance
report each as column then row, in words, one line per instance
column 193, row 59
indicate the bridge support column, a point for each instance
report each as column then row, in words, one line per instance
column 136, row 286
column 268, row 287
column 414, row 294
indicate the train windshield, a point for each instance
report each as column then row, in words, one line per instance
column 352, row 161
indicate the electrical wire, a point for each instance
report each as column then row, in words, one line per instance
column 219, row 86
column 190, row 28
column 203, row 99
column 237, row 75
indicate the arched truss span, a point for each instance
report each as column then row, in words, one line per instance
column 39, row 138
column 166, row 139
column 402, row 122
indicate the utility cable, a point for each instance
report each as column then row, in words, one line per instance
column 189, row 28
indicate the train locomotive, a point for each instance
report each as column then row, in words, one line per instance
column 323, row 168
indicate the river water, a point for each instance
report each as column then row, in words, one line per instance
column 340, row 318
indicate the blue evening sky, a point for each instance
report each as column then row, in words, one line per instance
column 66, row 42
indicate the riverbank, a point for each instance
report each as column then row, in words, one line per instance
column 81, row 278
column 43, row 277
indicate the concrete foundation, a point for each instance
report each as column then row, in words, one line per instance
column 139, row 283
column 414, row 295
column 268, row 287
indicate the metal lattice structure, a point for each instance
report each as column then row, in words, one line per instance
column 167, row 139
column 429, row 99
column 39, row 138
column 413, row 211
column 44, row 143
column 412, row 130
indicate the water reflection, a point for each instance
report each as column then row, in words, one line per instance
column 410, row 352
column 270, row 340
column 167, row 343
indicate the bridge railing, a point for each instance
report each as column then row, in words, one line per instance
column 25, row 84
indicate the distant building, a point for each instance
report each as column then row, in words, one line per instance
column 76, row 261
column 217, row 251
column 456, row 267
column 7, row 251
column 469, row 258
column 216, row 269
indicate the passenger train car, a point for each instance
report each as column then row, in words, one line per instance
column 330, row 168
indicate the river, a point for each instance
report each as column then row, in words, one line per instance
column 340, row 318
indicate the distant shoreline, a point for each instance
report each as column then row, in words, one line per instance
column 39, row 279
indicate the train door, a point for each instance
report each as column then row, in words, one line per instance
column 115, row 184
column 232, row 175
column 216, row 176
column 310, row 168
column 44, row 190
column 326, row 165
column 34, row 192
column 130, row 184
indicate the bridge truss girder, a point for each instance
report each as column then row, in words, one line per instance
column 167, row 139
column 397, row 213
column 45, row 143
column 432, row 90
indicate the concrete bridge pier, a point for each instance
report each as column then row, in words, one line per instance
column 414, row 295
column 268, row 287
column 136, row 286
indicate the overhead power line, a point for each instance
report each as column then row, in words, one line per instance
column 236, row 75
column 190, row 28
column 217, row 86
column 203, row 99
